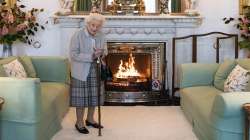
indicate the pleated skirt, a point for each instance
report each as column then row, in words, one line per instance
column 85, row 93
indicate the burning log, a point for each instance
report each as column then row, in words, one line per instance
column 127, row 70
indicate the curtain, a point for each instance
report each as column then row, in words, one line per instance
column 176, row 6
column 83, row 5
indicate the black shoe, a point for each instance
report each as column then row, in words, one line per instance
column 83, row 130
column 95, row 125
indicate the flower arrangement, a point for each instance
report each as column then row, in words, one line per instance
column 16, row 24
column 244, row 27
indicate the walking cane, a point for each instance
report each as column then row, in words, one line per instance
column 98, row 74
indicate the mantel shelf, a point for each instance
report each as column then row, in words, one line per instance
column 77, row 21
column 132, row 17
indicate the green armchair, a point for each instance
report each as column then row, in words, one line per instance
column 213, row 114
column 34, row 107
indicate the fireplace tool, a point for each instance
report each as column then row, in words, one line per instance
column 98, row 74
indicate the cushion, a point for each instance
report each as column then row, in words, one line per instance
column 7, row 60
column 222, row 73
column 237, row 80
column 26, row 62
column 244, row 63
column 248, row 86
column 2, row 72
column 15, row 69
column 196, row 74
column 28, row 66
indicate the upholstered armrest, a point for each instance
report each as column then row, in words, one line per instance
column 230, row 104
column 194, row 74
column 52, row 69
column 227, row 112
column 22, row 99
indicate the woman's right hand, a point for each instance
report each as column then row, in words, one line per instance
column 97, row 53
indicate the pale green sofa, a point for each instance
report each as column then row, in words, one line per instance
column 213, row 114
column 34, row 107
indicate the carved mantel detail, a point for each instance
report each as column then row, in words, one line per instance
column 140, row 27
column 66, row 21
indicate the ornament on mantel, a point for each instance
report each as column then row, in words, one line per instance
column 191, row 8
column 164, row 7
column 96, row 6
column 66, row 7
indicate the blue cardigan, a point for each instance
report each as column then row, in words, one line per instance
column 81, row 51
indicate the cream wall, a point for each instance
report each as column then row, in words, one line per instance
column 212, row 10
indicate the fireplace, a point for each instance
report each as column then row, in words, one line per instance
column 138, row 71
column 121, row 29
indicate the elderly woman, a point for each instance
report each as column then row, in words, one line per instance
column 86, row 46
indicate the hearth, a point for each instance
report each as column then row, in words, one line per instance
column 138, row 71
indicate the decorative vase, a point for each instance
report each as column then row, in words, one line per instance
column 7, row 50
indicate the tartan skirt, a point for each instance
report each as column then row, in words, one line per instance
column 85, row 93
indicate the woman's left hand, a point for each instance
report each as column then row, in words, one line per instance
column 103, row 62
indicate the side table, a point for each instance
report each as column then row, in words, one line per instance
column 246, row 108
column 1, row 102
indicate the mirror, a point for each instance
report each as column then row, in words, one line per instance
column 151, row 6
column 83, row 5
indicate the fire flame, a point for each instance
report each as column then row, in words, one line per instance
column 127, row 69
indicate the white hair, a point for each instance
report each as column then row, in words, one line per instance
column 96, row 17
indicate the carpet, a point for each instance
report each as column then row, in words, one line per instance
column 132, row 123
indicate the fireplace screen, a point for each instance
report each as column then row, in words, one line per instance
column 137, row 70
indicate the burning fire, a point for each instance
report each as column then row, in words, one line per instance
column 127, row 69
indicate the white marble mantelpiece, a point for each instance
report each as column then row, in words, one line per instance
column 160, row 28
column 135, row 28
